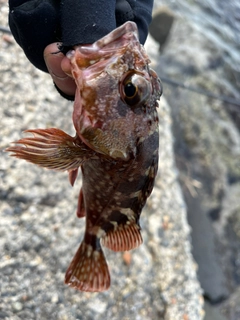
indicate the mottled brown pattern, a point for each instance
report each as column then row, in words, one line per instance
column 116, row 146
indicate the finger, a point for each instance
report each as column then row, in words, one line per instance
column 66, row 66
column 53, row 59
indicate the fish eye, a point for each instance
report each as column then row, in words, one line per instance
column 134, row 88
column 130, row 89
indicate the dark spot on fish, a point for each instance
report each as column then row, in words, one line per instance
column 149, row 145
column 130, row 186
column 136, row 205
column 147, row 188
column 121, row 108
column 92, row 240
column 127, row 202
column 137, row 110
column 107, row 226
column 119, row 217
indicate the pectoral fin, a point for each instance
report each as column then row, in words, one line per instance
column 53, row 149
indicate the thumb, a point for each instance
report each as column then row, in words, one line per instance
column 54, row 60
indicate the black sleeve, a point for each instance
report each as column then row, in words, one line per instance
column 34, row 25
column 139, row 11
column 103, row 17
column 37, row 23
column 85, row 21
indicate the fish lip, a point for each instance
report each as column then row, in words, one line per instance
column 127, row 28
column 100, row 52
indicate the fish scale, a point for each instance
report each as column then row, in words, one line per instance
column 116, row 147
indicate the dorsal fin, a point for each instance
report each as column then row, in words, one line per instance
column 88, row 270
column 125, row 238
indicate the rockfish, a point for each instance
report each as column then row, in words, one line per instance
column 116, row 146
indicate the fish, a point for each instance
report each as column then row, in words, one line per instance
column 115, row 146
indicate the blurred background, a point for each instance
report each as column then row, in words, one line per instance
column 200, row 49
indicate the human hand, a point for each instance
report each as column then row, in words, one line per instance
column 59, row 68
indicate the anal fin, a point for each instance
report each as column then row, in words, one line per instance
column 125, row 238
column 88, row 270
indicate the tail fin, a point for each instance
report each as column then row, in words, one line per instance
column 88, row 270
column 51, row 148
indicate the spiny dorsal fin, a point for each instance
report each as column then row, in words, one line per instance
column 52, row 148
column 88, row 270
column 125, row 238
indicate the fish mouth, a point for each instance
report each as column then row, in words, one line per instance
column 93, row 58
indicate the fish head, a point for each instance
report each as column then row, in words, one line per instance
column 115, row 101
